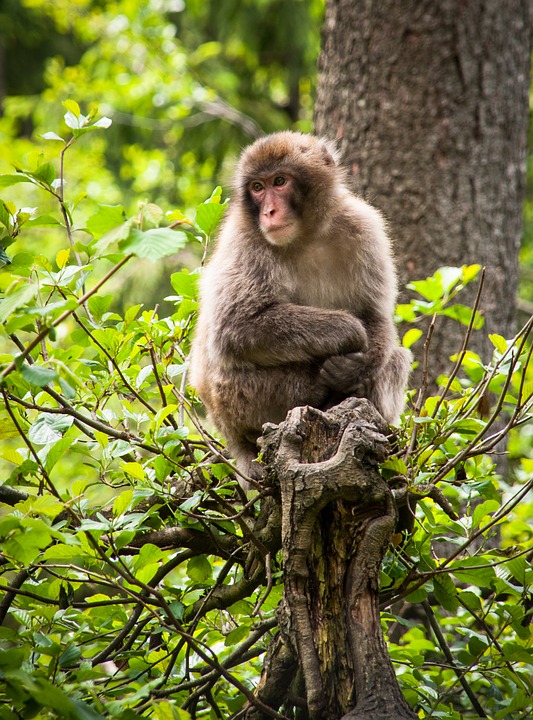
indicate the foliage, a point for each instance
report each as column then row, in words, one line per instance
column 136, row 581
column 185, row 88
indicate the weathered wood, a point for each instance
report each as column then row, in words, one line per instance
column 337, row 515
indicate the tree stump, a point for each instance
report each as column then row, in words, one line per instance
column 330, row 661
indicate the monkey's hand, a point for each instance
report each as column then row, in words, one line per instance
column 350, row 374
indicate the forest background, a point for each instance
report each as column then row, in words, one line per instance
column 173, row 91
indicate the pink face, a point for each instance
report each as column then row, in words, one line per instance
column 277, row 218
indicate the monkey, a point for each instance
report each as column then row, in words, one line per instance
column 297, row 299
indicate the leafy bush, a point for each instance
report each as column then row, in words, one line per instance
column 137, row 580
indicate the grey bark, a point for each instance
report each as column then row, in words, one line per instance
column 429, row 102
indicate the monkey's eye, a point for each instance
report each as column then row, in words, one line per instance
column 279, row 181
column 257, row 187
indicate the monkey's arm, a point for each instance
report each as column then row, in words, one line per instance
column 352, row 372
column 284, row 333
column 380, row 374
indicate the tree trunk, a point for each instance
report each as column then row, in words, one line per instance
column 337, row 516
column 429, row 102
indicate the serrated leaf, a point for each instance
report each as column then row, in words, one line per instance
column 154, row 244
column 38, row 374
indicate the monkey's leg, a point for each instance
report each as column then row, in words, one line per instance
column 245, row 454
column 390, row 383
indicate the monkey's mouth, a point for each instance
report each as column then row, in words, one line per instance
column 275, row 229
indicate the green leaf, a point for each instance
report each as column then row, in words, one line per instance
column 478, row 575
column 209, row 215
column 240, row 633
column 431, row 289
column 49, row 428
column 4, row 258
column 45, row 173
column 517, row 567
column 17, row 299
column 396, row 464
column 445, row 592
column 43, row 220
column 463, row 314
column 56, row 452
column 499, row 342
column 199, row 569
column 122, row 502
column 185, row 283
column 72, row 106
column 486, row 508
column 38, row 375
column 134, row 469
column 70, row 655
column 98, row 305
column 476, row 646
column 105, row 219
column 8, row 180
column 154, row 244
column 411, row 336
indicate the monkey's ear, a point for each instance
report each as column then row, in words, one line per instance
column 328, row 155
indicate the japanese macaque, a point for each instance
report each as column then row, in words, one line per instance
column 297, row 299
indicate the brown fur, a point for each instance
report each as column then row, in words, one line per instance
column 304, row 318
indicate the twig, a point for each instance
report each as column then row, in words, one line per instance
column 449, row 657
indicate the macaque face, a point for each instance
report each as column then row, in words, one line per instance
column 274, row 196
